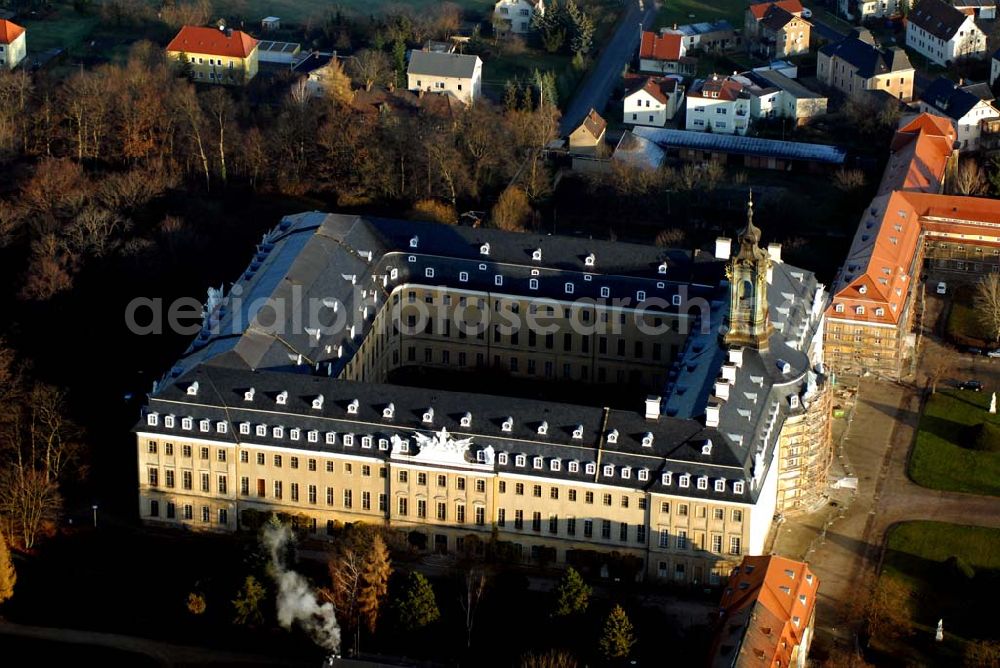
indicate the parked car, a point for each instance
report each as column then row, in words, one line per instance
column 973, row 385
column 942, row 287
column 972, row 350
column 994, row 353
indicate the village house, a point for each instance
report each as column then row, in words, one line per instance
column 213, row 55
column 665, row 53
column 718, row 104
column 773, row 95
column 863, row 10
column 13, row 44
column 726, row 105
column 856, row 64
column 453, row 73
column 780, row 34
column 942, row 33
column 317, row 68
column 960, row 104
column 716, row 37
column 518, row 14
column 767, row 615
column 980, row 9
column 651, row 100
column 588, row 137
column 757, row 11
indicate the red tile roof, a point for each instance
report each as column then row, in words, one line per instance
column 659, row 88
column 9, row 31
column 718, row 88
column 212, row 42
column 759, row 9
column 661, row 47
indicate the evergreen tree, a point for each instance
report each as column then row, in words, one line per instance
column 247, row 602
column 618, row 637
column 8, row 576
column 374, row 582
column 572, row 594
column 417, row 606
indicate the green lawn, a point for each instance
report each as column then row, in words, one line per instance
column 677, row 11
column 922, row 555
column 297, row 11
column 942, row 458
column 66, row 29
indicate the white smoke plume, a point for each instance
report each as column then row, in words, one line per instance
column 296, row 600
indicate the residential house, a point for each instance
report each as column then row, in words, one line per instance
column 665, row 53
column 454, row 73
column 716, row 37
column 13, row 44
column 767, row 615
column 960, row 104
column 863, row 10
column 588, row 137
column 857, row 64
column 317, row 68
column 213, row 55
column 518, row 14
column 651, row 100
column 785, row 98
column 980, row 9
column 781, row 34
column 756, row 12
column 718, row 104
column 943, row 33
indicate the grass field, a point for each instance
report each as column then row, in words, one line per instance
column 941, row 458
column 678, row 11
column 918, row 553
column 65, row 29
column 297, row 11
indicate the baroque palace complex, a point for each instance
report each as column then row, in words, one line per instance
column 570, row 398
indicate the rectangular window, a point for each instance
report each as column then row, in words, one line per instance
column 518, row 519
column 294, row 491
column 572, row 495
column 223, row 484
column 588, row 497
column 402, row 506
column 734, row 545
column 422, row 479
column 553, row 524
column 588, row 528
column 682, row 539
column 329, row 496
column 277, row 489
column 664, row 538
column 623, row 532
column 606, row 529
column 640, row 533
column 205, row 482
column 716, row 543
column 442, row 511
column 460, row 513
column 501, row 517
column 366, row 500
column 245, row 486
column 421, row 508
column 169, row 478
column 536, row 491
column 348, row 498
column 186, row 478
column 480, row 516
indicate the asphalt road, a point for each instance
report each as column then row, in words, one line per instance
column 596, row 88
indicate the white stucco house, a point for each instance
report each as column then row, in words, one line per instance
column 651, row 100
column 966, row 110
column 13, row 44
column 453, row 73
column 862, row 10
column 518, row 13
column 718, row 104
column 942, row 33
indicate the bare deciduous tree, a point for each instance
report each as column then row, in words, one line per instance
column 969, row 178
column 370, row 67
column 471, row 595
column 512, row 210
column 988, row 304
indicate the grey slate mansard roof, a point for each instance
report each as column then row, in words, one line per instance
column 433, row 63
column 341, row 257
column 868, row 58
column 938, row 18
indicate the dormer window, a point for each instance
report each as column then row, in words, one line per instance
column 278, row 432
column 706, row 448
column 839, row 308
column 331, row 438
column 187, row 423
column 738, row 487
column 860, row 310
column 245, row 428
column 590, row 468
column 507, row 425
column 536, row 255
column 640, row 296
column 605, row 291
column 192, row 389
column 555, row 465
column 465, row 420
column 880, row 312
column 863, row 289
column 153, row 419
column 205, row 425
column 626, row 472
column 613, row 436
column 573, row 467
column 428, row 416
column 168, row 421
column 348, row 440
column 532, row 283
column 295, row 433
column 312, row 436
column 484, row 249
column 388, row 412
column 317, row 403
column 480, row 457
column 543, row 429
column 647, row 440
column 578, row 432
column 463, row 276
column 414, row 241
column 366, row 442
column 261, row 430
column 685, row 480
column 352, row 408
column 643, row 475
column 667, row 478
column 383, row 444
column 590, row 260
column 720, row 485
column 569, row 288
column 282, row 398
column 662, row 269
column 520, row 460
column 428, row 272
column 538, row 463
column 702, row 482
column 502, row 458
column 498, row 279
column 609, row 471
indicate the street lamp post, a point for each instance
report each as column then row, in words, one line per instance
column 94, row 508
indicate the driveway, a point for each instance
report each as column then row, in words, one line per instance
column 594, row 91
